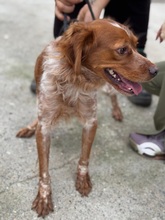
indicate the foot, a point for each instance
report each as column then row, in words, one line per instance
column 117, row 114
column 26, row 132
column 83, row 184
column 43, row 204
column 150, row 145
column 144, row 99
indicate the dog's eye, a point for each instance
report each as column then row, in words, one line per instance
column 122, row 50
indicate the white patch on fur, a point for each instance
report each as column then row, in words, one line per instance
column 44, row 175
column 83, row 170
column 45, row 84
column 44, row 190
column 109, row 89
column 90, row 123
column 57, row 85
column 115, row 24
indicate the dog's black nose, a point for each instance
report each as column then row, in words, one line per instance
column 153, row 70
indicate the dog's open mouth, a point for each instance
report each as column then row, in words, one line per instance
column 127, row 86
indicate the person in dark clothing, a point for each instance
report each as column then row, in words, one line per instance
column 134, row 13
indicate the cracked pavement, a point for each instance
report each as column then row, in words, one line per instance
column 125, row 185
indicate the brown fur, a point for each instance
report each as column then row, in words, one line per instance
column 68, row 73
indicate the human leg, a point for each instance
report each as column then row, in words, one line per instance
column 153, row 144
column 157, row 87
column 139, row 18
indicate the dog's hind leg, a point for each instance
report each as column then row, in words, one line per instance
column 27, row 131
column 116, row 111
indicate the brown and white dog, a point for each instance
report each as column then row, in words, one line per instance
column 68, row 74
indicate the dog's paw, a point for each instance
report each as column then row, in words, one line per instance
column 43, row 205
column 25, row 132
column 83, row 184
column 117, row 114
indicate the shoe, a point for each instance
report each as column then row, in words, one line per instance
column 33, row 86
column 150, row 145
column 144, row 99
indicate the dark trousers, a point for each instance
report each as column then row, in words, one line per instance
column 135, row 13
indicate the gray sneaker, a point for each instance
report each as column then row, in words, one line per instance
column 150, row 145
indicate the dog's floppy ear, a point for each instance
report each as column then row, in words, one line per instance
column 76, row 44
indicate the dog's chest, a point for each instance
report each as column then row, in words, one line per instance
column 73, row 97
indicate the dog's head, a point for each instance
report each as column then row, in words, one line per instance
column 108, row 49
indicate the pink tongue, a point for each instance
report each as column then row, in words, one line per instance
column 126, row 84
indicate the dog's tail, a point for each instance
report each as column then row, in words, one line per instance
column 28, row 131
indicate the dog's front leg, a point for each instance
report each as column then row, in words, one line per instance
column 83, row 182
column 43, row 201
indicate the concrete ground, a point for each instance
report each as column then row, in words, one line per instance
column 126, row 186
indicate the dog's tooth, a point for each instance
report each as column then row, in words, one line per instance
column 111, row 72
